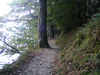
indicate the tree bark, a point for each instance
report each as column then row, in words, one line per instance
column 52, row 32
column 43, row 41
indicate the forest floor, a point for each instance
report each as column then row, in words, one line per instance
column 42, row 63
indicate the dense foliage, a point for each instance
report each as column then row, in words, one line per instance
column 60, row 13
column 68, row 14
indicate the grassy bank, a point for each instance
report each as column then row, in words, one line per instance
column 80, row 50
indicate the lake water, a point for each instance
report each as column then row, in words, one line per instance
column 7, row 28
column 7, row 59
column 4, row 58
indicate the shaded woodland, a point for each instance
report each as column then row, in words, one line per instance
column 73, row 24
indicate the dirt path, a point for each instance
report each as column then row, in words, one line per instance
column 43, row 63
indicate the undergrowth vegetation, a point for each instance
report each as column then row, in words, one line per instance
column 80, row 50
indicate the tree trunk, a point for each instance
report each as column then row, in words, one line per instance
column 43, row 41
column 52, row 31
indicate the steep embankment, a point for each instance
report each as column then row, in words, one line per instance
column 80, row 50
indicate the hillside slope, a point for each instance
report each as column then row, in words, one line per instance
column 80, row 50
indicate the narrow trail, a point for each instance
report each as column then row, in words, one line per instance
column 43, row 63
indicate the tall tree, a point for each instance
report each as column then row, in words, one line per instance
column 43, row 43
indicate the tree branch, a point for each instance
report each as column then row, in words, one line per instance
column 4, row 41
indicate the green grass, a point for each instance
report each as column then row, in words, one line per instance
column 81, row 48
